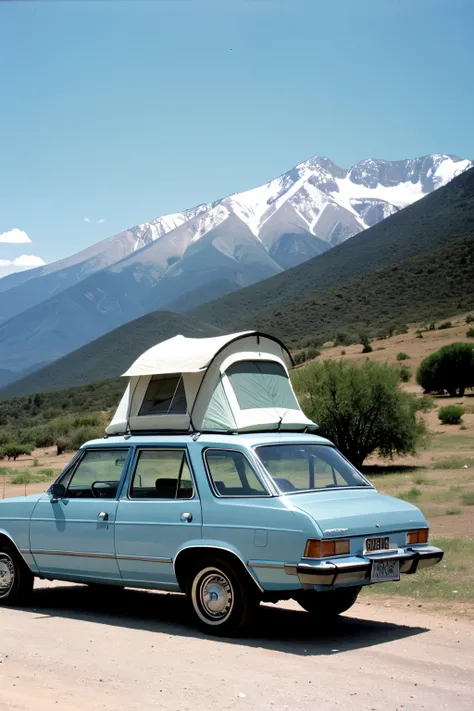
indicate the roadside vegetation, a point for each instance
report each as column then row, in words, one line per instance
column 361, row 408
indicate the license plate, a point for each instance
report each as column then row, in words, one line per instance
column 385, row 570
column 377, row 544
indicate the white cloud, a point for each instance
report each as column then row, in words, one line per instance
column 101, row 221
column 86, row 219
column 28, row 260
column 14, row 236
column 25, row 261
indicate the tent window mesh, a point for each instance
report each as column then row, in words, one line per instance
column 165, row 395
column 261, row 384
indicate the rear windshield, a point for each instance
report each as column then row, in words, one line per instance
column 297, row 467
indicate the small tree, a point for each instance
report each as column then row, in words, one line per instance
column 470, row 333
column 361, row 408
column 451, row 414
column 450, row 369
column 402, row 356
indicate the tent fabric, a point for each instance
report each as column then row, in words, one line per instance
column 180, row 355
column 261, row 384
column 218, row 415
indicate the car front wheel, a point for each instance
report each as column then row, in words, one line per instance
column 329, row 603
column 16, row 579
column 224, row 603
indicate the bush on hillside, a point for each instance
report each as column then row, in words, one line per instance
column 13, row 450
column 449, row 369
column 361, row 408
column 402, row 356
column 405, row 373
column 451, row 414
column 470, row 333
column 470, row 318
column 367, row 348
column 444, row 325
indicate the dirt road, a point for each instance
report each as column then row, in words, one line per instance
column 74, row 650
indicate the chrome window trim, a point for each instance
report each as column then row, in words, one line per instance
column 154, row 448
column 210, row 479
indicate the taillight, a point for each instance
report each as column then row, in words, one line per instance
column 327, row 547
column 420, row 536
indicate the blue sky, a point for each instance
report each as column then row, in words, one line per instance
column 121, row 111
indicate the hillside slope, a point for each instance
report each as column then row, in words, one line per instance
column 443, row 216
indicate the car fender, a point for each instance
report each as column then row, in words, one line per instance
column 217, row 545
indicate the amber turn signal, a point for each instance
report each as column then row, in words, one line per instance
column 420, row 536
column 327, row 547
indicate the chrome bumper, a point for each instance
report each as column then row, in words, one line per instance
column 335, row 573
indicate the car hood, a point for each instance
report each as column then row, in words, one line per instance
column 357, row 512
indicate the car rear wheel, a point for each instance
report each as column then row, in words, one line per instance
column 223, row 602
column 329, row 603
column 16, row 579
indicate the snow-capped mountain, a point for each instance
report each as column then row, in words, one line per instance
column 320, row 198
column 179, row 260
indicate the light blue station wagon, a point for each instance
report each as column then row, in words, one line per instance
column 229, row 520
column 234, row 502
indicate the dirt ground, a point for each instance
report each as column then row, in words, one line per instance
column 72, row 650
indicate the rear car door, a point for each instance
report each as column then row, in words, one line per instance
column 158, row 513
column 73, row 537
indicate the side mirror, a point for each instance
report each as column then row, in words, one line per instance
column 57, row 491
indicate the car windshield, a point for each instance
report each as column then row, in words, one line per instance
column 308, row 467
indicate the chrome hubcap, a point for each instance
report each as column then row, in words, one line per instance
column 7, row 574
column 213, row 596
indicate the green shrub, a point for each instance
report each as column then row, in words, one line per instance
column 312, row 353
column 367, row 348
column 467, row 499
column 361, row 408
column 402, row 356
column 450, row 369
column 405, row 373
column 470, row 333
column 444, row 325
column 13, row 450
column 451, row 414
column 299, row 357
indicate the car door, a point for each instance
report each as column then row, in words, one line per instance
column 73, row 537
column 157, row 514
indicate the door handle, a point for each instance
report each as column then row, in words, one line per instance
column 186, row 517
column 103, row 516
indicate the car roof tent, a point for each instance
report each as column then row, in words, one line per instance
column 233, row 383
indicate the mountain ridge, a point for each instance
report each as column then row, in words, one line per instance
column 418, row 262
column 238, row 241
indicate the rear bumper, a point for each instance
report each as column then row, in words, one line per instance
column 359, row 570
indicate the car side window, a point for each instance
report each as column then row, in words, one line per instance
column 97, row 475
column 162, row 474
column 232, row 474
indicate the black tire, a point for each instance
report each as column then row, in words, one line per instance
column 324, row 605
column 223, row 599
column 16, row 579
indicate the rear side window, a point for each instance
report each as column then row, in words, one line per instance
column 232, row 474
column 162, row 474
